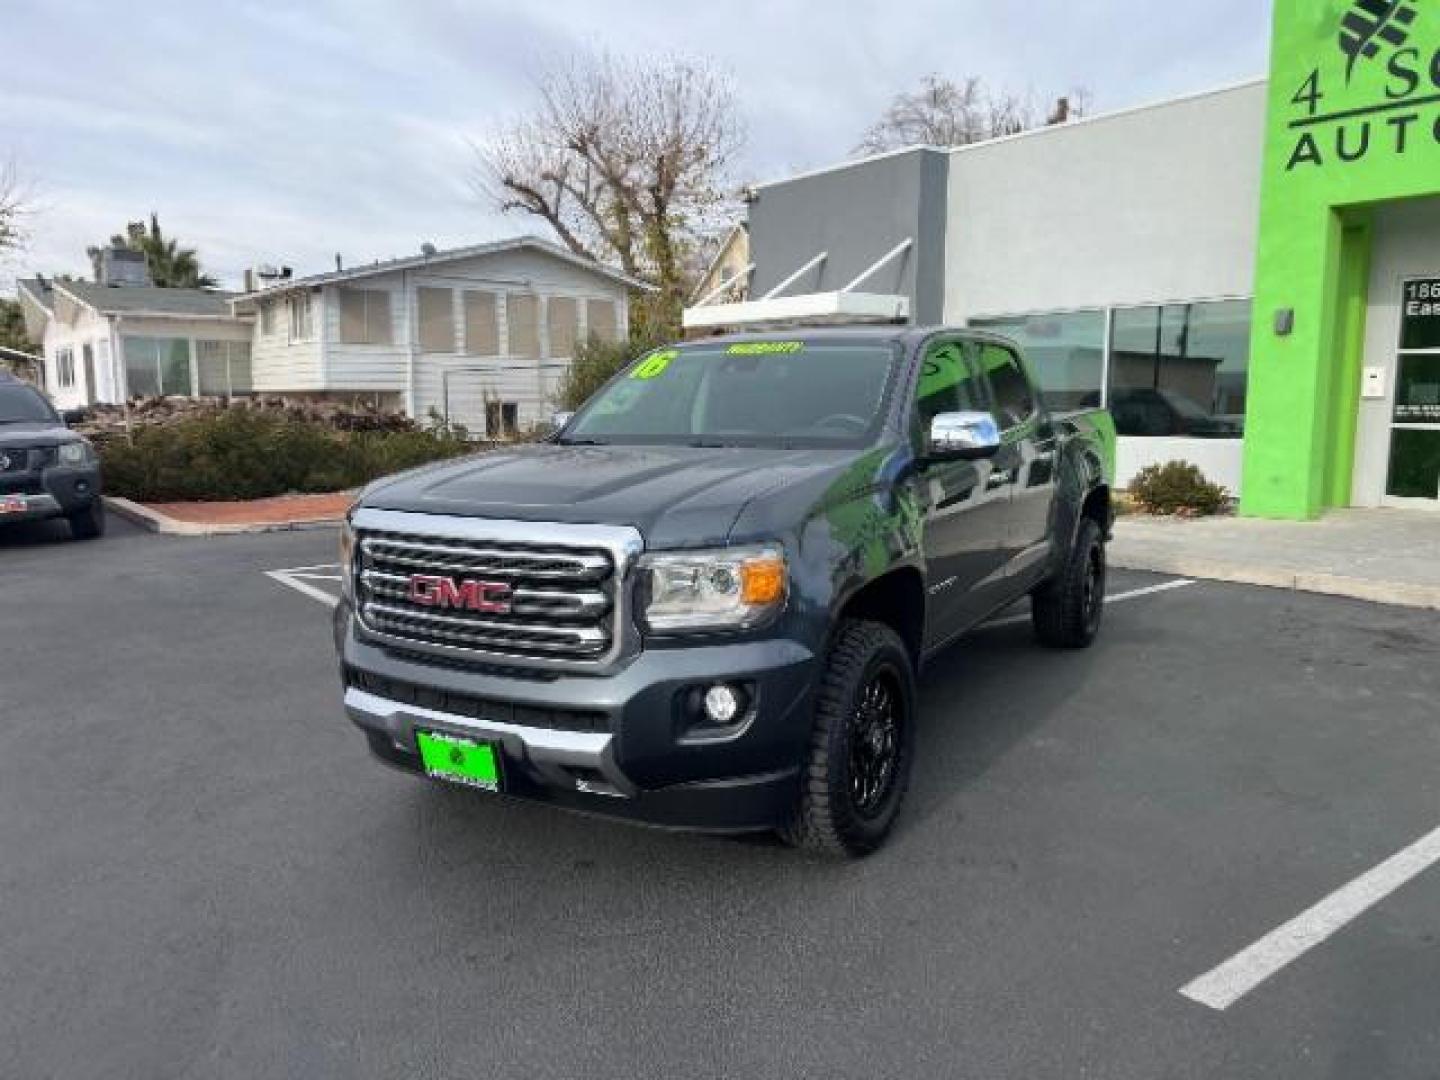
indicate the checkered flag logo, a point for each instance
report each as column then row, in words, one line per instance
column 1369, row 24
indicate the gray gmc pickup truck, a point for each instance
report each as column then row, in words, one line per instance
column 704, row 601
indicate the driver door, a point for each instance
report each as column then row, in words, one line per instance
column 966, row 513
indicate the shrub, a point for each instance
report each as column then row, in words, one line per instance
column 244, row 454
column 595, row 363
column 1178, row 487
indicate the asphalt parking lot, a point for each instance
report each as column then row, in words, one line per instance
column 203, row 874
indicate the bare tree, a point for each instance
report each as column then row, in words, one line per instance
column 943, row 112
column 14, row 206
column 626, row 161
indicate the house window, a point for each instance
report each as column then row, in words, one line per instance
column 482, row 334
column 502, row 419
column 223, row 367
column 365, row 317
column 522, row 319
column 436, row 308
column 600, row 320
column 1181, row 369
column 1066, row 353
column 65, row 367
column 562, row 320
column 302, row 317
column 267, row 317
column 155, row 366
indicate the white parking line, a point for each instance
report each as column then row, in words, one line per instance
column 1111, row 598
column 292, row 580
column 1232, row 980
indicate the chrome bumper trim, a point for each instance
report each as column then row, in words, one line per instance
column 550, row 752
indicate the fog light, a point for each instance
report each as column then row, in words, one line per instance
column 722, row 704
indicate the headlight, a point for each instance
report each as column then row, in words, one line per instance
column 74, row 453
column 729, row 588
column 347, row 553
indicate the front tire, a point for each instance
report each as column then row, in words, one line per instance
column 89, row 523
column 861, row 746
column 1067, row 609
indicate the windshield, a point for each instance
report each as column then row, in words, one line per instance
column 20, row 404
column 772, row 393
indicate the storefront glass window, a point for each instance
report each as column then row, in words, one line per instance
column 1181, row 370
column 1065, row 352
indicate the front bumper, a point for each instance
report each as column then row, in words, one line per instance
column 57, row 491
column 636, row 758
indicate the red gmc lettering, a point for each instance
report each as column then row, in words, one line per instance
column 487, row 597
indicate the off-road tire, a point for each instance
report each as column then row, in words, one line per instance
column 827, row 818
column 1067, row 610
column 89, row 523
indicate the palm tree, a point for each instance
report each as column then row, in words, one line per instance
column 170, row 266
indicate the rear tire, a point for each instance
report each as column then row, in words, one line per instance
column 89, row 523
column 861, row 746
column 1067, row 610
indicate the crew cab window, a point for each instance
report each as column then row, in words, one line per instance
column 1014, row 399
column 948, row 383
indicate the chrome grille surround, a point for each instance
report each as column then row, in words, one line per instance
column 570, row 587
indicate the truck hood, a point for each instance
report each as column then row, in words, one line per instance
column 675, row 496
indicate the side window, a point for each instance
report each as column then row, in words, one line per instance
column 1014, row 400
column 948, row 384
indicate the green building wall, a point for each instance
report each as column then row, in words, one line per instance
column 1354, row 122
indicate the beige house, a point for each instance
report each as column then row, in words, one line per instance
column 727, row 278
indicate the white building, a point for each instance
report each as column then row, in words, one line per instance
column 108, row 343
column 479, row 335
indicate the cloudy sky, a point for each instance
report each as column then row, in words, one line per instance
column 287, row 131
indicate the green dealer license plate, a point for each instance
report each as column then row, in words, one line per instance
column 460, row 761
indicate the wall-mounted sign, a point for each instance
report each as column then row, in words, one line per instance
column 1377, row 93
column 1420, row 315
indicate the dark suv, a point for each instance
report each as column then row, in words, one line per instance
column 46, row 470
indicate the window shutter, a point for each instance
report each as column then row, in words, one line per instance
column 379, row 327
column 562, row 319
column 522, row 318
column 482, row 335
column 437, row 320
column 352, row 317
column 600, row 319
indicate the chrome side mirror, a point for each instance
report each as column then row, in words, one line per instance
column 963, row 436
column 559, row 420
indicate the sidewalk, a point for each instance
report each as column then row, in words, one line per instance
column 223, row 518
column 1384, row 556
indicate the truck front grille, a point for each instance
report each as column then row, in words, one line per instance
column 535, row 601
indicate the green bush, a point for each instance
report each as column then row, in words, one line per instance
column 595, row 363
column 1178, row 487
column 239, row 454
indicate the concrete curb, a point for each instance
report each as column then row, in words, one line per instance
column 156, row 522
column 1398, row 594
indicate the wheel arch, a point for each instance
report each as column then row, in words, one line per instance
column 897, row 600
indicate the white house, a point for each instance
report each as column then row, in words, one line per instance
column 479, row 335
column 107, row 343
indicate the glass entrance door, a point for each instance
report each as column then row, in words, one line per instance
column 1414, row 478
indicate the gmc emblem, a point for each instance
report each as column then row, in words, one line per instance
column 487, row 597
